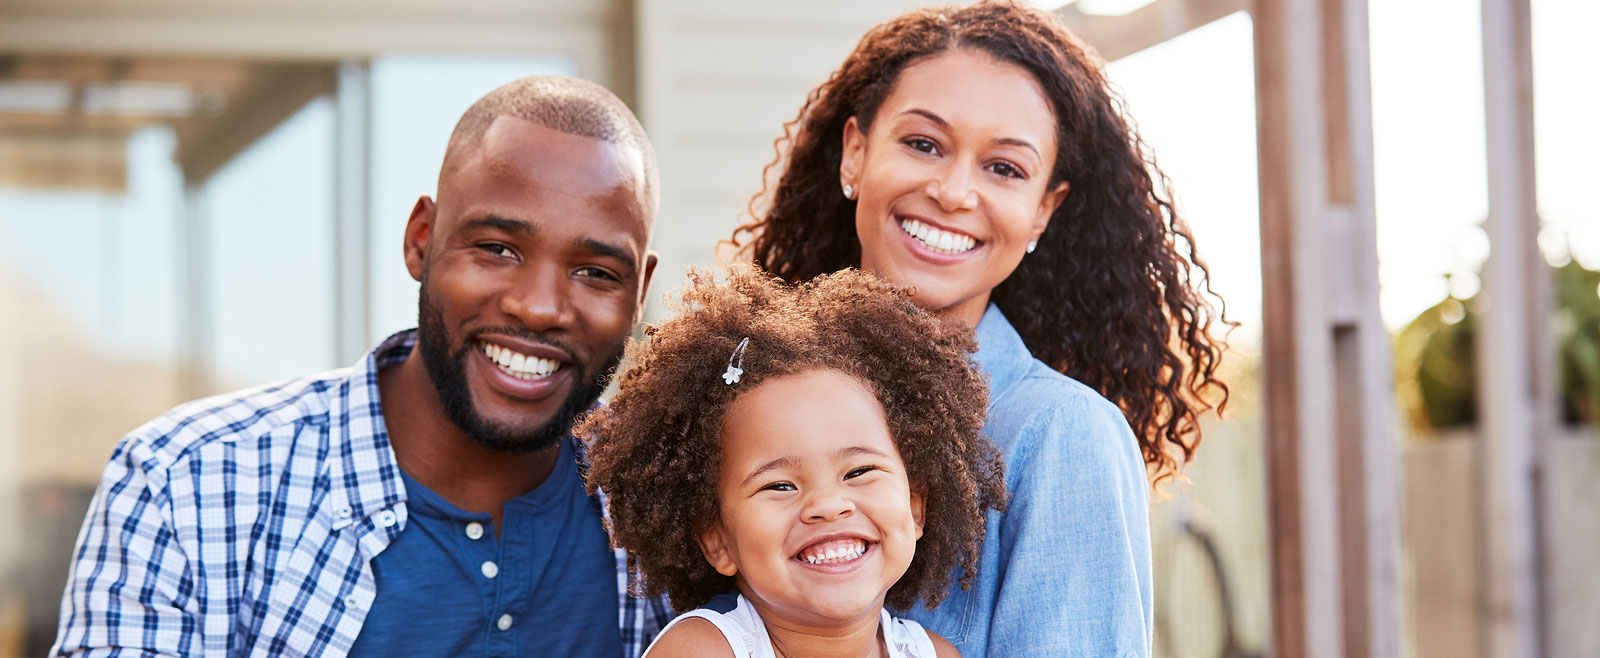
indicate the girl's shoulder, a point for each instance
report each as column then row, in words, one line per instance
column 691, row 637
column 725, row 627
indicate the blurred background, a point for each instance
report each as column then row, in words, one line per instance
column 197, row 196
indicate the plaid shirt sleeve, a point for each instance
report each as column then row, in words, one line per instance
column 642, row 618
column 130, row 590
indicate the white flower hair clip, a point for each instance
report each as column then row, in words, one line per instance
column 732, row 374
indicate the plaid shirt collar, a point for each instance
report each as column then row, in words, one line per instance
column 366, row 478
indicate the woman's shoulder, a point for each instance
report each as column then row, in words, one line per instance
column 1045, row 405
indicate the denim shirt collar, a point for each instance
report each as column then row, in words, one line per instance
column 1001, row 353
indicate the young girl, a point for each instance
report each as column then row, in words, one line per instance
column 783, row 462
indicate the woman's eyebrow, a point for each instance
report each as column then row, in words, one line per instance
column 939, row 121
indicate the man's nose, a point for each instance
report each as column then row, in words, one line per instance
column 540, row 300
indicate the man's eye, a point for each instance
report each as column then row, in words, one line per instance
column 496, row 249
column 597, row 273
column 859, row 472
column 922, row 144
column 779, row 486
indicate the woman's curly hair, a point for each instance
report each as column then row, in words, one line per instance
column 656, row 450
column 1114, row 296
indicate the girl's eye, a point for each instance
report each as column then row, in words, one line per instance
column 923, row 145
column 778, row 486
column 1006, row 169
column 860, row 472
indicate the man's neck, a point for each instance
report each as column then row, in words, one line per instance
column 437, row 454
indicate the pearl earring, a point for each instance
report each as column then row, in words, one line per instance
column 1032, row 244
column 849, row 192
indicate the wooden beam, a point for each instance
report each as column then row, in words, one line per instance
column 1515, row 379
column 1331, row 472
column 93, row 160
column 276, row 92
column 1116, row 37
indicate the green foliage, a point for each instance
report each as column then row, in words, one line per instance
column 1436, row 367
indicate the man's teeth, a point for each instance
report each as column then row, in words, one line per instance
column 518, row 365
column 835, row 551
column 941, row 241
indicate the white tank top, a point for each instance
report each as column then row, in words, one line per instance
column 737, row 619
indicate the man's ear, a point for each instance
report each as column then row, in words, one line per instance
column 855, row 148
column 419, row 232
column 919, row 509
column 650, row 260
column 1048, row 205
column 714, row 545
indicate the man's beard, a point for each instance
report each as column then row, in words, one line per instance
column 448, row 372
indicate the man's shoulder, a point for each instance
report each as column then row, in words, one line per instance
column 241, row 416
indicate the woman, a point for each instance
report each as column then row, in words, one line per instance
column 977, row 154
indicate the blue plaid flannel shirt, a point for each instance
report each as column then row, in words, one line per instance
column 245, row 525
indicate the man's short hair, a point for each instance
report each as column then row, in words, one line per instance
column 570, row 105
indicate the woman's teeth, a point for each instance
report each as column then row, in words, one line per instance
column 834, row 551
column 518, row 365
column 939, row 241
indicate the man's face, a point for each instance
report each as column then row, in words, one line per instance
column 533, row 265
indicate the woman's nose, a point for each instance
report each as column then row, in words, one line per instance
column 953, row 191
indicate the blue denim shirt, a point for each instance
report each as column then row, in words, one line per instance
column 1065, row 570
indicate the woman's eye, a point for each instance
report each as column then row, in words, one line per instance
column 778, row 486
column 922, row 144
column 854, row 473
column 1006, row 169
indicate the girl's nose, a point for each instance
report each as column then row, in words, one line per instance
column 828, row 506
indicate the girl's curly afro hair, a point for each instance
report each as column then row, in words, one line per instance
column 656, row 448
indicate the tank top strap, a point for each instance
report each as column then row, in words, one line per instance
column 905, row 638
column 738, row 622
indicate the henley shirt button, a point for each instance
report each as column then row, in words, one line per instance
column 387, row 519
column 344, row 512
column 352, row 602
column 503, row 623
column 474, row 531
column 490, row 570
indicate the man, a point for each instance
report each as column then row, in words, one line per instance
column 427, row 501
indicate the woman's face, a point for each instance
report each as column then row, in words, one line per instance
column 953, row 178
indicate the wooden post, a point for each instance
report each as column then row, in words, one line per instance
column 1515, row 376
column 1330, row 452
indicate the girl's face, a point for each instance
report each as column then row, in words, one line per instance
column 953, row 178
column 818, row 517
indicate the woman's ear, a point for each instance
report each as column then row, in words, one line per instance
column 855, row 148
column 919, row 510
column 1048, row 205
column 714, row 546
